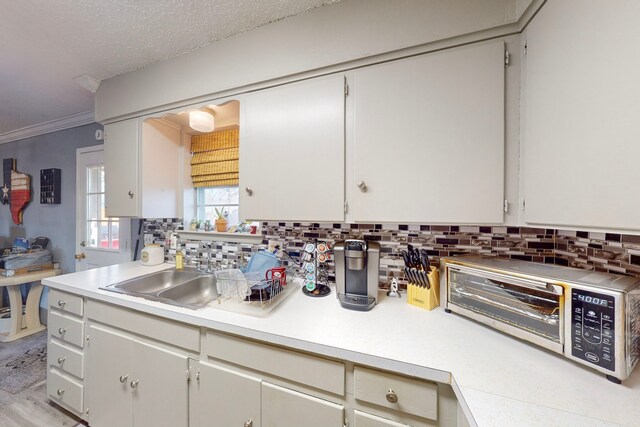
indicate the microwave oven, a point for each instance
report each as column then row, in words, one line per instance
column 590, row 317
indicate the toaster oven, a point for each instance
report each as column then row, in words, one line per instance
column 590, row 317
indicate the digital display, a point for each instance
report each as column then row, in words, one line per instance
column 593, row 300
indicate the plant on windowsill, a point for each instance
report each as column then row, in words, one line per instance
column 221, row 219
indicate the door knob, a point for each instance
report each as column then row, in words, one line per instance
column 83, row 243
column 61, row 303
column 123, row 378
column 362, row 186
column 249, row 191
column 130, row 193
column 134, row 384
column 80, row 256
column 249, row 423
column 61, row 331
column 60, row 391
column 61, row 360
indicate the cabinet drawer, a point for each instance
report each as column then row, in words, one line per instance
column 362, row 419
column 65, row 302
column 404, row 394
column 64, row 390
column 66, row 328
column 66, row 358
column 305, row 369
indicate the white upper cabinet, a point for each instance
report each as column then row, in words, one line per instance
column 142, row 169
column 292, row 152
column 581, row 121
column 428, row 138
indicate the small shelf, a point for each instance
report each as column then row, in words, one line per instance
column 217, row 236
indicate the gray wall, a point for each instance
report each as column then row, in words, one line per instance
column 57, row 222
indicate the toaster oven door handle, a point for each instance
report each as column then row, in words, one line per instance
column 548, row 288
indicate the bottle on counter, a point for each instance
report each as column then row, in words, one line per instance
column 179, row 260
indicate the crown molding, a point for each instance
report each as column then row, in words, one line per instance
column 68, row 122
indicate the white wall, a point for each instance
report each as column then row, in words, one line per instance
column 334, row 34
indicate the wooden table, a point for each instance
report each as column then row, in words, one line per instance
column 32, row 310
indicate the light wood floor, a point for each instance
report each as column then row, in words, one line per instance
column 31, row 408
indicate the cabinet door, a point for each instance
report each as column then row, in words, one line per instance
column 282, row 407
column 160, row 396
column 429, row 138
column 580, row 117
column 121, row 153
column 292, row 152
column 362, row 419
column 108, row 376
column 228, row 397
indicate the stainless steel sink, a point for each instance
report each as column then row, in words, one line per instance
column 155, row 282
column 197, row 292
column 184, row 288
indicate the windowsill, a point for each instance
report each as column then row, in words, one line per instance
column 217, row 236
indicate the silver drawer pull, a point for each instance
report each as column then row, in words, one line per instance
column 123, row 378
column 61, row 303
column 249, row 423
column 61, row 360
column 392, row 397
column 249, row 191
column 60, row 391
column 134, row 384
column 61, row 331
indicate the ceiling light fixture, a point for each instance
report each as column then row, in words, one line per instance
column 202, row 121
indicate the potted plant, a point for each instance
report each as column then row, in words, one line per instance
column 221, row 219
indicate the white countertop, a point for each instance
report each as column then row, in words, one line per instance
column 500, row 380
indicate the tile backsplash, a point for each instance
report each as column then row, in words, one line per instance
column 615, row 253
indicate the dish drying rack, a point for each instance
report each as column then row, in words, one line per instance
column 234, row 285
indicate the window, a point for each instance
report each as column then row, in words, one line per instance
column 210, row 198
column 101, row 232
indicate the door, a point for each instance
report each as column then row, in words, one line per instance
column 282, row 407
column 122, row 167
column 229, row 397
column 108, row 378
column 160, row 392
column 429, row 138
column 100, row 241
column 292, row 152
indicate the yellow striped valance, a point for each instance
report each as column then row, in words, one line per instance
column 215, row 158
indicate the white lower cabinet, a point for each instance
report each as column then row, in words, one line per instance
column 362, row 419
column 223, row 397
column 132, row 383
column 282, row 407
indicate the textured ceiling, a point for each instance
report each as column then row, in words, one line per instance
column 44, row 44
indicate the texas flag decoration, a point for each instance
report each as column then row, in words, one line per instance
column 19, row 194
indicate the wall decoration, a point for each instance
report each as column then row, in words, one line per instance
column 19, row 195
column 8, row 165
column 50, row 186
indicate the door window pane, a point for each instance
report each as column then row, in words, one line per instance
column 102, row 232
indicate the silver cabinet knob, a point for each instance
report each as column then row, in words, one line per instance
column 61, row 360
column 249, row 423
column 60, row 391
column 61, row 303
column 130, row 193
column 362, row 186
column 134, row 384
column 123, row 378
column 392, row 397
column 249, row 191
column 61, row 331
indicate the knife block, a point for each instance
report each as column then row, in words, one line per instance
column 422, row 297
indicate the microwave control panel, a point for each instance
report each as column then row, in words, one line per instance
column 592, row 328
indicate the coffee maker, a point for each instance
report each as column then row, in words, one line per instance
column 357, row 270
